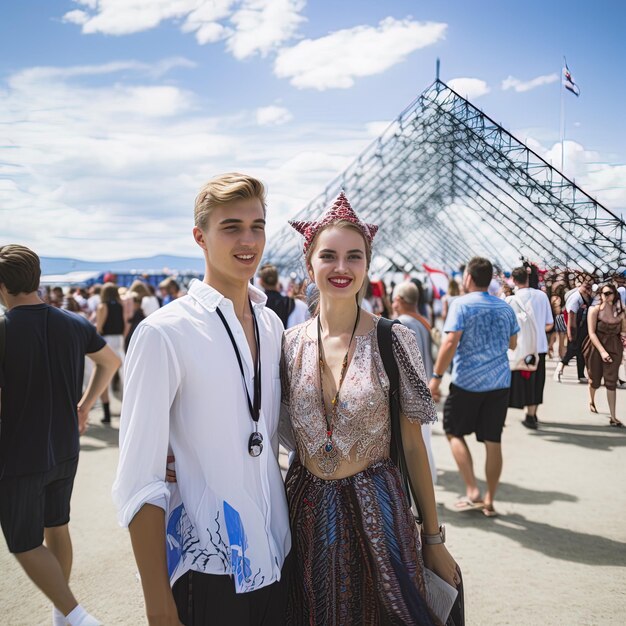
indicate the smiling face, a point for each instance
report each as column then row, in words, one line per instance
column 233, row 242
column 338, row 262
column 608, row 293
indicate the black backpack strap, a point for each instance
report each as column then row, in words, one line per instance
column 3, row 337
column 385, row 347
column 384, row 336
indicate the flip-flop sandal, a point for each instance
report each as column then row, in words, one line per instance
column 489, row 511
column 467, row 504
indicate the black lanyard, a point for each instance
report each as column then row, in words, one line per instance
column 254, row 405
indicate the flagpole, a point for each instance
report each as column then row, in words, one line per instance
column 562, row 117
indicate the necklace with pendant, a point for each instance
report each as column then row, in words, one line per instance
column 329, row 446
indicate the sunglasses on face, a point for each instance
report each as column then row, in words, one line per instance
column 607, row 293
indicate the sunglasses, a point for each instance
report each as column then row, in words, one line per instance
column 607, row 293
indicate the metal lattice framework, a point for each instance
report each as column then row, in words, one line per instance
column 445, row 182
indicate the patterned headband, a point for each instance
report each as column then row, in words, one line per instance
column 340, row 211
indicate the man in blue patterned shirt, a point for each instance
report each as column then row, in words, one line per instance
column 479, row 329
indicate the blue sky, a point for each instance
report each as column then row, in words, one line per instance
column 114, row 112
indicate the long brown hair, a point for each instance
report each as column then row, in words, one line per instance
column 110, row 292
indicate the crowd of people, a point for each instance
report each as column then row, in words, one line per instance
column 215, row 378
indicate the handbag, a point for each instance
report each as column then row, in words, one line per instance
column 437, row 589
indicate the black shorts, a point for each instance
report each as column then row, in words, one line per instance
column 480, row 412
column 211, row 599
column 28, row 504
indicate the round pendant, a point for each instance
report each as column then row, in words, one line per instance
column 329, row 446
column 255, row 444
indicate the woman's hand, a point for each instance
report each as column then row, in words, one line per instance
column 606, row 357
column 438, row 559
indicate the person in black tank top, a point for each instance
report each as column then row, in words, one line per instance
column 110, row 324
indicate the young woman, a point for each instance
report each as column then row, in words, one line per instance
column 357, row 550
column 454, row 291
column 604, row 347
column 110, row 324
column 557, row 302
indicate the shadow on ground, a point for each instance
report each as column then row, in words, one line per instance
column 105, row 434
column 507, row 492
column 597, row 437
column 550, row 541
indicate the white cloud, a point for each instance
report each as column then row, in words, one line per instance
column 262, row 25
column 110, row 170
column 76, row 17
column 520, row 86
column 334, row 61
column 469, row 88
column 376, row 129
column 273, row 116
column 249, row 26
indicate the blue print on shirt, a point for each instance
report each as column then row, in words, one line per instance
column 174, row 538
column 240, row 565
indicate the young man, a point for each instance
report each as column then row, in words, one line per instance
column 479, row 330
column 42, row 413
column 203, row 384
column 577, row 304
column 527, row 387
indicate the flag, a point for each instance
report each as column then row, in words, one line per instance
column 439, row 280
column 568, row 81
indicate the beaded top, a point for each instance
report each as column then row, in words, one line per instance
column 362, row 428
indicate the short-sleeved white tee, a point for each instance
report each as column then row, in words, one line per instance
column 542, row 311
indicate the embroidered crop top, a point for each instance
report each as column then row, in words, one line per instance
column 362, row 431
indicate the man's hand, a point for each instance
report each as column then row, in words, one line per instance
column 433, row 385
column 83, row 417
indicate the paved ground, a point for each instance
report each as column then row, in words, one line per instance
column 555, row 556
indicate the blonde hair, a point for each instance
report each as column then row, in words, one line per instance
column 139, row 288
column 224, row 189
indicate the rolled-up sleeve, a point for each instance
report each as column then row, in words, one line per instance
column 152, row 377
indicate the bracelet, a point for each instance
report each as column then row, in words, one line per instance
column 437, row 376
column 431, row 540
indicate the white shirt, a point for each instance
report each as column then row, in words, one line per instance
column 149, row 304
column 299, row 314
column 227, row 513
column 622, row 295
column 575, row 300
column 93, row 302
column 542, row 311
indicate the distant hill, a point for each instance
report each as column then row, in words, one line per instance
column 56, row 265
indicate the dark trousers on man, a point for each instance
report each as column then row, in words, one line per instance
column 211, row 599
column 574, row 349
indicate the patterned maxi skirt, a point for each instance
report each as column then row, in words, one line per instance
column 356, row 551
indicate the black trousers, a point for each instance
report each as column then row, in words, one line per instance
column 574, row 349
column 210, row 600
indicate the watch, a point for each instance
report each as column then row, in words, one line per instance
column 437, row 376
column 431, row 540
